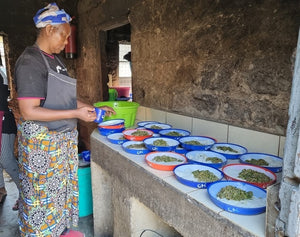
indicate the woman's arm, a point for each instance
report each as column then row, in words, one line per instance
column 30, row 110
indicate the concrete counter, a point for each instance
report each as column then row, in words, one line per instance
column 130, row 197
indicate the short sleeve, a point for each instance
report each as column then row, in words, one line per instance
column 31, row 74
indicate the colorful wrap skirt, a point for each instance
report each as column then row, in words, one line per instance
column 48, row 163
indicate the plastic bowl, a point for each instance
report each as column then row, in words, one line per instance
column 254, row 206
column 135, row 151
column 181, row 133
column 183, row 174
column 112, row 123
column 199, row 157
column 232, row 171
column 205, row 142
column 274, row 162
column 124, row 110
column 143, row 123
column 165, row 166
column 106, row 131
column 179, row 149
column 171, row 144
column 156, row 127
column 128, row 134
column 116, row 138
column 234, row 152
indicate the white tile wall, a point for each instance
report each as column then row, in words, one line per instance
column 254, row 141
column 179, row 121
column 212, row 129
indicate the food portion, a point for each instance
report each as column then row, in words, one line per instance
column 214, row 160
column 160, row 142
column 204, row 176
column 260, row 162
column 165, row 158
column 137, row 146
column 254, row 176
column 233, row 193
column 194, row 142
column 156, row 127
column 140, row 133
column 122, row 138
column 173, row 134
column 227, row 149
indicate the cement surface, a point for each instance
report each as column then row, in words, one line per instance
column 9, row 218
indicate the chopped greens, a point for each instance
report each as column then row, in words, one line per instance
column 254, row 176
column 194, row 142
column 160, row 142
column 204, row 176
column 174, row 134
column 140, row 133
column 260, row 162
column 227, row 148
column 165, row 158
column 233, row 193
column 155, row 127
column 214, row 159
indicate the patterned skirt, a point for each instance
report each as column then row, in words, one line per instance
column 48, row 163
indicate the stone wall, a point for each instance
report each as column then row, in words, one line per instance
column 226, row 61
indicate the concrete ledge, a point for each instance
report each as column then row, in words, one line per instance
column 130, row 180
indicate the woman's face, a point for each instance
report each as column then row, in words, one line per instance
column 59, row 37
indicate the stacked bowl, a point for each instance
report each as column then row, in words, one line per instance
column 111, row 126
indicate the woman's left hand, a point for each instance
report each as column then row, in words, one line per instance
column 108, row 110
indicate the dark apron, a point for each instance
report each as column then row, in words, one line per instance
column 1, row 119
column 61, row 95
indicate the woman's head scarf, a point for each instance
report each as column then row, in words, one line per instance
column 51, row 15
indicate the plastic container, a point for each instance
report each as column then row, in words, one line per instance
column 124, row 110
column 123, row 91
column 112, row 94
column 85, row 191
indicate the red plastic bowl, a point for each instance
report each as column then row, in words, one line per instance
column 128, row 134
column 231, row 172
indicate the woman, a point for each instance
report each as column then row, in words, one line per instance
column 47, row 133
column 8, row 126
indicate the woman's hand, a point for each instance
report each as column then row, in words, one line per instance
column 86, row 113
column 108, row 110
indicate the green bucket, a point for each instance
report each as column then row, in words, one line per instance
column 124, row 110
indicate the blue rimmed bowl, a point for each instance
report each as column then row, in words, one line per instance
column 174, row 133
column 229, row 150
column 199, row 143
column 107, row 131
column 206, row 158
column 184, row 174
column 116, row 138
column 156, row 127
column 131, row 147
column 171, row 144
column 114, row 123
column 274, row 162
column 253, row 206
column 143, row 123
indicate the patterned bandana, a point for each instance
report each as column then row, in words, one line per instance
column 50, row 15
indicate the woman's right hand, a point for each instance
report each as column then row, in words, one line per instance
column 86, row 113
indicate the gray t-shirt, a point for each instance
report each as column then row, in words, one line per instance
column 31, row 74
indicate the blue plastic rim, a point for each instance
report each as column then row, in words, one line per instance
column 156, row 130
column 260, row 193
column 132, row 150
column 143, row 123
column 112, row 122
column 192, row 157
column 106, row 131
column 190, row 166
column 255, row 155
column 184, row 133
column 115, row 138
column 208, row 142
column 172, row 144
column 241, row 150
